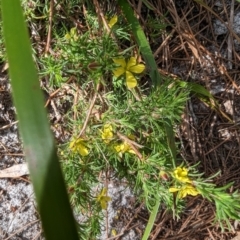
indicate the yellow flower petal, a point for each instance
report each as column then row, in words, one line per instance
column 114, row 232
column 188, row 190
column 125, row 147
column 108, row 126
column 103, row 204
column 73, row 31
column 120, row 61
column 102, row 193
column 133, row 67
column 83, row 151
column 131, row 80
column 107, row 133
column 131, row 62
column 117, row 148
column 72, row 35
column 139, row 68
column 72, row 143
column 191, row 190
column 112, row 21
column 181, row 175
column 122, row 148
column 173, row 189
column 103, row 199
column 79, row 146
column 67, row 36
column 184, row 191
column 131, row 151
column 181, row 171
column 119, row 70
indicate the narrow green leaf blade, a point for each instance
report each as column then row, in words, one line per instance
column 151, row 221
column 56, row 214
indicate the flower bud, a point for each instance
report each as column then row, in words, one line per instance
column 163, row 175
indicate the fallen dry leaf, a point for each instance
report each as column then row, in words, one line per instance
column 14, row 171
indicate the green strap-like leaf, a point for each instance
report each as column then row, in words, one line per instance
column 151, row 221
column 52, row 200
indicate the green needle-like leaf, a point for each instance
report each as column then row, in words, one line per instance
column 52, row 200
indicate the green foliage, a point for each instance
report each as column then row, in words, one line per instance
column 227, row 205
column 127, row 132
column 144, row 120
column 88, row 59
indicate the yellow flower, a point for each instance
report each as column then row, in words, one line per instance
column 114, row 232
column 113, row 21
column 128, row 68
column 103, row 199
column 181, row 174
column 79, row 146
column 184, row 191
column 72, row 35
column 122, row 148
column 107, row 133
